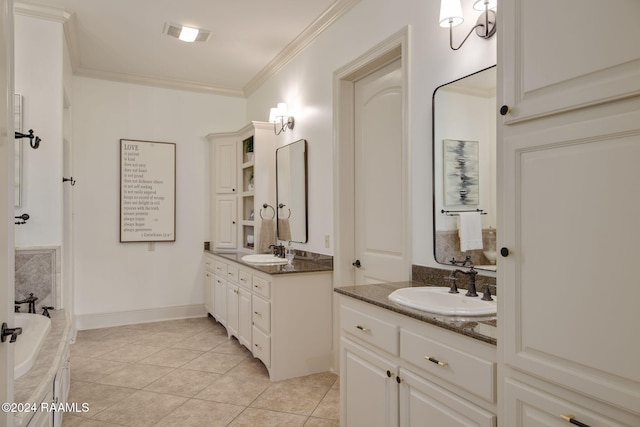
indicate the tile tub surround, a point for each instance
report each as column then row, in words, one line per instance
column 304, row 262
column 38, row 272
column 188, row 373
column 480, row 328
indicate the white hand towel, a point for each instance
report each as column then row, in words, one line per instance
column 284, row 229
column 470, row 231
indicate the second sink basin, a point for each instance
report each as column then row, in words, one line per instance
column 438, row 300
column 264, row 259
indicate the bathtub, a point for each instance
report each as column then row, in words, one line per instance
column 26, row 348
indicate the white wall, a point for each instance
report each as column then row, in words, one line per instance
column 306, row 84
column 126, row 277
column 39, row 79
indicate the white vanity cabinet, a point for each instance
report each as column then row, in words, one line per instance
column 569, row 206
column 396, row 370
column 284, row 319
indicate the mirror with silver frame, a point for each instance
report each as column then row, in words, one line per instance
column 464, row 170
column 291, row 191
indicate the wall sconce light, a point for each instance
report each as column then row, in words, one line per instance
column 281, row 119
column 451, row 16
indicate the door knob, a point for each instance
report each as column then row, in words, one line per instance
column 504, row 252
column 357, row 264
column 504, row 110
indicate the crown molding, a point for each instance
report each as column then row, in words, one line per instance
column 50, row 13
column 158, row 82
column 332, row 14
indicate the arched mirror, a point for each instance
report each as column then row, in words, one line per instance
column 464, row 170
column 291, row 191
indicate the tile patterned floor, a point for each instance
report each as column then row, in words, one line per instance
column 188, row 373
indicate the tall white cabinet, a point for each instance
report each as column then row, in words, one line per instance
column 242, row 179
column 569, row 206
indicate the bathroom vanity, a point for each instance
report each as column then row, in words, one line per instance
column 281, row 313
column 401, row 366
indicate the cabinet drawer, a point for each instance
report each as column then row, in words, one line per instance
column 261, row 286
column 244, row 279
column 232, row 272
column 262, row 346
column 261, row 315
column 209, row 264
column 374, row 331
column 527, row 405
column 220, row 268
column 459, row 367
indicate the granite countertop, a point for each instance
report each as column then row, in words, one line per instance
column 480, row 328
column 34, row 385
column 304, row 262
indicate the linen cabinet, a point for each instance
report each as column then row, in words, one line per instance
column 568, row 149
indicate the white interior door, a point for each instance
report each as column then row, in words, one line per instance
column 380, row 178
column 7, row 211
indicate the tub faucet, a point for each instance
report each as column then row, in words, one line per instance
column 31, row 300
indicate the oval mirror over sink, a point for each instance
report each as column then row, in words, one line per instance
column 464, row 169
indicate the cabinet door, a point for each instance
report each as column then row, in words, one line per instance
column 424, row 404
column 368, row 387
column 571, row 208
column 552, row 63
column 232, row 309
column 209, row 281
column 226, row 153
column 226, row 236
column 220, row 300
column 244, row 317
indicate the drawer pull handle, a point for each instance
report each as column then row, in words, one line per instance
column 259, row 347
column 398, row 380
column 436, row 361
column 572, row 419
column 389, row 374
column 363, row 329
column 257, row 286
column 257, row 313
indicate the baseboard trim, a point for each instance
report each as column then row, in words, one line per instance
column 120, row 318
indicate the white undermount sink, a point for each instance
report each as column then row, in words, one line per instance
column 438, row 300
column 264, row 259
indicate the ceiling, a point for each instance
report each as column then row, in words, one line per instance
column 250, row 40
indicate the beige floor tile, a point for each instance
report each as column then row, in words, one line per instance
column 201, row 342
column 183, row 382
column 324, row 380
column 97, row 396
column 234, row 389
column 232, row 346
column 172, row 357
column 295, row 399
column 321, row 422
column 90, row 370
column 135, row 376
column 329, row 406
column 250, row 367
column 218, row 363
column 161, row 339
column 89, row 349
column 259, row 417
column 130, row 353
column 142, row 408
column 200, row 413
column 69, row 420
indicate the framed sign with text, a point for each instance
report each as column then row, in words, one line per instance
column 147, row 191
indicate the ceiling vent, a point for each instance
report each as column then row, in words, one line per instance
column 174, row 30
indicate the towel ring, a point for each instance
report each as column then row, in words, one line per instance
column 281, row 205
column 265, row 206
